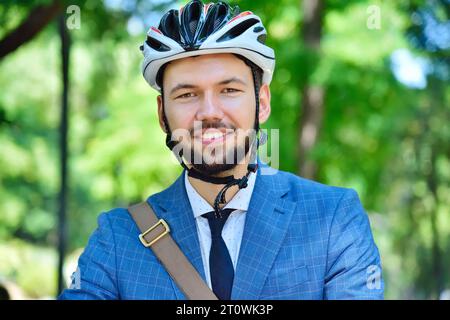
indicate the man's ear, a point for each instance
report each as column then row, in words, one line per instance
column 161, row 113
column 264, row 103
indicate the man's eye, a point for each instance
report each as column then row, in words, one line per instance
column 230, row 90
column 185, row 95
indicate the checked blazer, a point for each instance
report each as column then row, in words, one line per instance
column 302, row 240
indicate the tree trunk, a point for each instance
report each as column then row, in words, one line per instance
column 36, row 21
column 312, row 95
column 64, row 126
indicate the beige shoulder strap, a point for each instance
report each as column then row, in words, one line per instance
column 156, row 235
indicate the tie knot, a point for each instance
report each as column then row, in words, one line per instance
column 216, row 223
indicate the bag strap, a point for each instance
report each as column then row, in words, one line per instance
column 156, row 236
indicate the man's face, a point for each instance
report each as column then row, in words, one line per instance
column 210, row 107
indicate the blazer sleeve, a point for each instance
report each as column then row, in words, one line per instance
column 95, row 277
column 353, row 261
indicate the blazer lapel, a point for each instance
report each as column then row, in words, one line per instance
column 267, row 221
column 173, row 206
column 266, row 224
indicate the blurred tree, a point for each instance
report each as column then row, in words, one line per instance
column 312, row 94
column 428, row 171
column 38, row 18
column 98, row 20
column 388, row 140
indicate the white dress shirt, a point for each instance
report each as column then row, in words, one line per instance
column 234, row 226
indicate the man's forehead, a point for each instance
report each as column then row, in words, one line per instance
column 211, row 67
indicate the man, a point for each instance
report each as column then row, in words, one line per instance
column 250, row 235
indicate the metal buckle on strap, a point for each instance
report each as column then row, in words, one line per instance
column 149, row 244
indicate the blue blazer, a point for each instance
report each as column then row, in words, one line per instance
column 302, row 240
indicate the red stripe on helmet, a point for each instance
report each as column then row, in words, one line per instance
column 243, row 14
column 156, row 30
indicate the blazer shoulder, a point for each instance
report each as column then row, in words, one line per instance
column 312, row 196
column 308, row 187
column 118, row 219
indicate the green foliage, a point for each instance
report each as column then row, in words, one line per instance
column 33, row 267
column 388, row 141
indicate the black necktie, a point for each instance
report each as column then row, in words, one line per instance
column 220, row 264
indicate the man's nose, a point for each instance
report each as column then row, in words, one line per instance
column 209, row 108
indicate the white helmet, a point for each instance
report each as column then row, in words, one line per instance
column 198, row 29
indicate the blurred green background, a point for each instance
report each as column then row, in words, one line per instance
column 360, row 96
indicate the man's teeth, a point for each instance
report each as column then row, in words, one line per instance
column 213, row 135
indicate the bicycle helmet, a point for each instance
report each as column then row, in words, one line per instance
column 198, row 29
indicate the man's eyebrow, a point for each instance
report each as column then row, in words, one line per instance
column 191, row 86
column 182, row 86
column 234, row 79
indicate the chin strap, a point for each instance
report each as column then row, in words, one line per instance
column 241, row 183
column 192, row 172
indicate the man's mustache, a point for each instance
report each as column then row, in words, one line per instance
column 210, row 125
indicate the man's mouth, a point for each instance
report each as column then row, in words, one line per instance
column 209, row 136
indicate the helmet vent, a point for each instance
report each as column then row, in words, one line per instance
column 262, row 38
column 258, row 29
column 238, row 30
column 190, row 18
column 216, row 17
column 193, row 26
column 157, row 45
column 220, row 15
column 170, row 26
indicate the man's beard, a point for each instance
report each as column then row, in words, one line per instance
column 237, row 147
column 236, row 154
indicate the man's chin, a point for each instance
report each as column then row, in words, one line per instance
column 214, row 165
column 213, row 169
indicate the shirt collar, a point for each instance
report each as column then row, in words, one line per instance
column 240, row 201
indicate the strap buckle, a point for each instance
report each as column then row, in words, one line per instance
column 166, row 231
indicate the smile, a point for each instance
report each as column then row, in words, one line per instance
column 214, row 136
